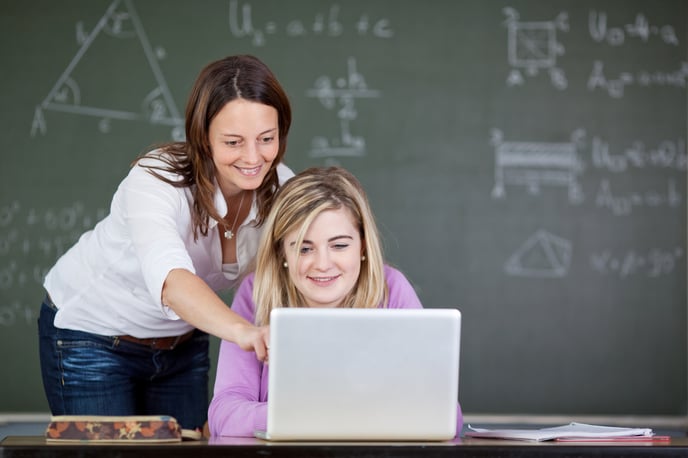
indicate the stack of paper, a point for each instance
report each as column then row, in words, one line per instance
column 572, row 431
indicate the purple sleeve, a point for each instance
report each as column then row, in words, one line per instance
column 238, row 407
column 402, row 295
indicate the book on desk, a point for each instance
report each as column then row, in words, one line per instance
column 131, row 428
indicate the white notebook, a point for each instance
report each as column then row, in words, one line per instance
column 363, row 374
column 571, row 431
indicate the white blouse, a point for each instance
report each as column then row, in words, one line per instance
column 110, row 282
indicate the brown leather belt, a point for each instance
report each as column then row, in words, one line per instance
column 159, row 343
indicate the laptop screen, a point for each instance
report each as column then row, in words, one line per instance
column 363, row 374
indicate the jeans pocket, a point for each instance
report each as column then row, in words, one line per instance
column 83, row 361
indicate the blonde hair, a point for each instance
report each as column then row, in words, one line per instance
column 297, row 203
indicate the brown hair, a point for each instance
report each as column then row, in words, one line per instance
column 220, row 82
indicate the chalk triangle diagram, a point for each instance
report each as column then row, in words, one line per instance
column 104, row 79
column 542, row 255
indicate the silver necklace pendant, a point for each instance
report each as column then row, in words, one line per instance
column 229, row 232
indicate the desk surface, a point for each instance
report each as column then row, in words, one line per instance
column 22, row 446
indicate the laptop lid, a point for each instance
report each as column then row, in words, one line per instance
column 363, row 374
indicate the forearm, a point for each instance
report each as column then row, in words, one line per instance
column 197, row 304
column 238, row 407
column 230, row 415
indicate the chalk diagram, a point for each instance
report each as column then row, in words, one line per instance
column 533, row 46
column 120, row 22
column 542, row 255
column 533, row 164
column 341, row 94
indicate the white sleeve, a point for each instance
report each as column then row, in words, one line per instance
column 157, row 217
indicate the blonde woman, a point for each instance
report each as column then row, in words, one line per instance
column 320, row 248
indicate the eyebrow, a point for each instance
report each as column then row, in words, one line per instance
column 227, row 134
column 331, row 239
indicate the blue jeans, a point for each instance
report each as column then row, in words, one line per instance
column 90, row 374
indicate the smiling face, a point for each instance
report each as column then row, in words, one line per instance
column 325, row 268
column 244, row 141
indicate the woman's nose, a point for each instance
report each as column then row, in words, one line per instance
column 323, row 260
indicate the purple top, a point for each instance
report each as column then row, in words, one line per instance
column 239, row 405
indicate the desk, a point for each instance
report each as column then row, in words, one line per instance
column 25, row 446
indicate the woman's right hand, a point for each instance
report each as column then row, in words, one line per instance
column 257, row 339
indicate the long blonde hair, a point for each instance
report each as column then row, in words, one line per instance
column 297, row 203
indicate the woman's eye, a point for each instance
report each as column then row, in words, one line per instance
column 267, row 139
column 232, row 143
column 340, row 246
column 305, row 250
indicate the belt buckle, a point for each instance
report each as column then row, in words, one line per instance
column 161, row 343
column 158, row 344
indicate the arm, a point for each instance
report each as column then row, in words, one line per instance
column 239, row 402
column 194, row 302
column 459, row 420
column 157, row 218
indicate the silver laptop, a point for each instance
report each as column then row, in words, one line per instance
column 363, row 374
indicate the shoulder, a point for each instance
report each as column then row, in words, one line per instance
column 401, row 293
column 394, row 276
column 283, row 173
column 156, row 161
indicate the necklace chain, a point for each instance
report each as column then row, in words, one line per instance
column 229, row 232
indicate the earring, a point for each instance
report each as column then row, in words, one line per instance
column 285, row 264
column 363, row 258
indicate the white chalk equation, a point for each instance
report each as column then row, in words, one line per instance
column 532, row 46
column 616, row 85
column 619, row 34
column 535, row 164
column 654, row 263
column 32, row 239
column 621, row 203
column 339, row 95
column 16, row 314
column 325, row 23
column 668, row 154
column 120, row 22
column 542, row 255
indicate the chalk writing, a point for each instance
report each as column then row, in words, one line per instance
column 120, row 21
column 640, row 29
column 623, row 204
column 32, row 239
column 615, row 87
column 323, row 24
column 543, row 255
column 17, row 314
column 533, row 164
column 654, row 263
column 341, row 94
column 533, row 46
column 668, row 154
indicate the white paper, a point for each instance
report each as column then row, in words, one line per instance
column 572, row 430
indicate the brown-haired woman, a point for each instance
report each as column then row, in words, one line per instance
column 124, row 327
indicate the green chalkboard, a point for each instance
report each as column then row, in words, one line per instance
column 526, row 161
